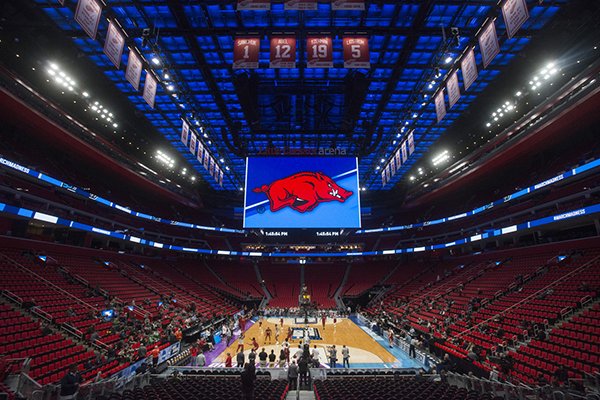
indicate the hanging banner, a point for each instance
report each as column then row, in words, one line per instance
column 440, row 105
column 356, row 52
column 245, row 52
column 453, row 89
column 206, row 159
column 254, row 4
column 515, row 14
column 393, row 166
column 411, row 143
column 211, row 169
column 404, row 149
column 200, row 152
column 383, row 182
column 398, row 159
column 468, row 67
column 488, row 44
column 319, row 52
column 150, row 89
column 185, row 133
column 133, row 73
column 300, row 5
column 61, row 2
column 388, row 175
column 193, row 141
column 221, row 177
column 283, row 52
column 113, row 45
column 87, row 14
column 347, row 5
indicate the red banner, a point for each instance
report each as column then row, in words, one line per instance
column 283, row 52
column 150, row 89
column 193, row 142
column 453, row 89
column 347, row 4
column 300, row 5
column 411, row 142
column 113, row 45
column 488, row 44
column 87, row 14
column 133, row 73
column 356, row 52
column 206, row 159
column 254, row 4
column 515, row 14
column 319, row 52
column 440, row 105
column 200, row 152
column 185, row 133
column 246, row 52
column 468, row 67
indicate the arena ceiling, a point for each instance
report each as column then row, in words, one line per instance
column 364, row 111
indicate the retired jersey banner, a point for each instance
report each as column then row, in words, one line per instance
column 468, row 67
column 300, row 5
column 411, row 143
column 113, row 45
column 185, row 133
column 193, row 142
column 440, row 105
column 347, row 4
column 205, row 162
column 133, row 73
column 453, row 89
column 283, row 52
column 383, row 182
column 404, row 149
column 254, row 4
column 245, row 52
column 515, row 14
column 488, row 44
column 200, row 152
column 221, row 177
column 319, row 52
column 356, row 52
column 398, row 159
column 87, row 14
column 150, row 89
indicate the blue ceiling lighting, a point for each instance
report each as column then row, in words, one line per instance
column 245, row 111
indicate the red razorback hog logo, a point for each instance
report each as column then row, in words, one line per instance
column 303, row 191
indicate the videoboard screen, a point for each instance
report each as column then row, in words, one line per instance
column 302, row 192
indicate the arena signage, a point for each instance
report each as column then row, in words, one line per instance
column 287, row 151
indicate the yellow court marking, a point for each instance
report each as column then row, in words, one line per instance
column 345, row 333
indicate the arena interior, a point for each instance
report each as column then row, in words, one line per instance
column 300, row 199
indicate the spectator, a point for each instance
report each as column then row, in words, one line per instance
column 155, row 352
column 412, row 349
column 201, row 359
column 240, row 359
column 293, row 375
column 272, row 358
column 228, row 361
column 252, row 358
column 282, row 358
column 248, row 378
column 315, row 357
column 262, row 357
column 332, row 356
column 69, row 384
column 345, row 357
column 494, row 374
column 303, row 370
column 561, row 375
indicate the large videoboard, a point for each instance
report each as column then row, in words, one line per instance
column 302, row 192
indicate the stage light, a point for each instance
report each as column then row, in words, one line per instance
column 441, row 158
column 85, row 94
column 412, row 178
column 518, row 94
column 221, row 160
column 170, row 88
column 155, row 61
column 488, row 124
column 448, row 60
column 193, row 178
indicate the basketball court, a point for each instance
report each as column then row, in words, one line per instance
column 367, row 349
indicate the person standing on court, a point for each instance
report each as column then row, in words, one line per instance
column 293, row 375
column 346, row 356
column 241, row 359
column 332, row 356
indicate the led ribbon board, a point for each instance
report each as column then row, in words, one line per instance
column 35, row 215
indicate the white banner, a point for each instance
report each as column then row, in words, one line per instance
column 185, row 132
column 488, row 44
column 453, row 89
column 347, row 4
column 411, row 143
column 193, row 141
column 300, row 5
column 113, row 45
column 133, row 73
column 220, row 177
column 150, row 89
column 468, row 67
column 200, row 152
column 206, row 159
column 440, row 105
column 404, row 149
column 383, row 182
column 87, row 14
column 515, row 14
column 398, row 159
